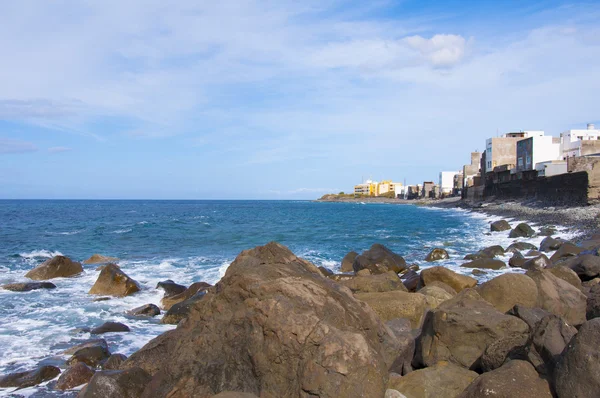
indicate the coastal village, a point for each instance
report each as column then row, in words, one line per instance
column 515, row 164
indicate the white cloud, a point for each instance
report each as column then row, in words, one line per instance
column 441, row 50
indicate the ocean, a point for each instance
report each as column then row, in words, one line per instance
column 188, row 241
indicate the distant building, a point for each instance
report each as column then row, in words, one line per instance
column 446, row 182
column 580, row 142
column 367, row 188
column 470, row 171
column 428, row 189
column 502, row 151
column 537, row 149
column 551, row 168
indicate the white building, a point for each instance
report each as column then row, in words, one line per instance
column 571, row 141
column 501, row 151
column 551, row 168
column 446, row 182
column 537, row 149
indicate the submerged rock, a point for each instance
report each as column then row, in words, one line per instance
column 100, row 259
column 500, row 225
column 30, row 378
column 56, row 267
column 112, row 281
column 436, row 255
column 379, row 259
column 28, row 286
column 523, row 230
column 108, row 327
column 485, row 263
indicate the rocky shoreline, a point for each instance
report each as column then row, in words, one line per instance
column 278, row 326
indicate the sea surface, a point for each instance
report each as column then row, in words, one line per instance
column 188, row 241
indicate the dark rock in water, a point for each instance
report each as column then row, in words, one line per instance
column 533, row 253
column 411, row 280
column 500, row 225
column 587, row 267
column 577, row 373
column 347, row 262
column 550, row 244
column 593, row 303
column 522, row 230
column 547, row 231
column 92, row 355
column 565, row 251
column 462, row 328
column 437, row 254
column 486, row 263
column 379, row 259
column 521, row 246
column 531, row 316
column 56, row 267
column 375, row 283
column 441, row 274
column 112, row 281
column 109, row 327
column 487, row 253
column 74, row 376
column 496, row 354
column 507, row 290
column 100, row 259
column 515, row 379
column 101, row 299
column 559, row 297
column 29, row 379
column 168, row 302
column 517, row 260
column 325, row 271
column 478, row 272
column 181, row 310
column 539, row 262
column 86, row 344
column 270, row 313
column 28, row 286
column 171, row 288
column 145, row 310
column 128, row 383
column 402, row 330
column 114, row 362
column 440, row 380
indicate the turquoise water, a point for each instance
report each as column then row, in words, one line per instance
column 187, row 241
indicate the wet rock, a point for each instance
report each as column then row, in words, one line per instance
column 441, row 274
column 517, row 260
column 100, row 259
column 523, row 230
column 478, row 272
column 101, row 299
column 411, row 280
column 550, row 244
column 325, row 271
column 110, row 327
column 437, row 254
column 28, row 286
column 347, row 262
column 397, row 304
column 74, row 376
column 86, row 344
column 441, row 380
column 539, row 262
column 547, row 231
column 565, row 251
column 379, row 259
column 181, row 310
column 30, row 378
column 114, row 362
column 548, row 339
column 507, row 290
column 197, row 287
column 500, row 225
column 375, row 283
column 533, row 253
column 593, row 303
column 587, row 267
column 461, row 329
column 485, row 263
column 516, row 379
column 128, row 383
column 487, row 253
column 577, row 373
column 149, row 310
column 112, row 281
column 56, row 267
column 90, row 354
column 171, row 288
column 521, row 246
column 566, row 274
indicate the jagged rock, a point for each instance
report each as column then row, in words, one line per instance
column 440, row 380
column 593, row 303
column 145, row 310
column 496, row 353
column 500, row 225
column 507, row 290
column 559, row 297
column 325, row 271
column 128, row 383
column 114, row 362
column 74, row 376
column 374, row 283
column 56, row 267
column 411, row 280
column 273, row 327
column 347, row 262
column 531, row 316
column 110, row 327
column 520, row 246
column 437, row 254
column 516, row 379
column 486, row 263
column 197, row 287
column 550, row 244
column 539, row 262
column 28, row 286
column 379, row 259
column 565, row 251
column 402, row 329
column 567, row 275
column 456, row 281
column 112, row 281
column 522, row 230
column 100, row 259
column 517, row 260
column 181, row 310
column 435, row 295
column 30, row 378
column 397, row 304
column 587, row 267
column 577, row 373
column 460, row 330
column 91, row 354
column 171, row 288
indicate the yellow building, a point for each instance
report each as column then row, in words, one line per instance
column 368, row 188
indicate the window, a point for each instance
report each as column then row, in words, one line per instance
column 520, row 162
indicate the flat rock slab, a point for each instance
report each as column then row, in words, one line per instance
column 28, row 286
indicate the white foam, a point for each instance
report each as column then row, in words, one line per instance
column 122, row 231
column 40, row 254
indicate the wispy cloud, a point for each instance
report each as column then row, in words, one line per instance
column 10, row 146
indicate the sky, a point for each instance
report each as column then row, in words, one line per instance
column 283, row 99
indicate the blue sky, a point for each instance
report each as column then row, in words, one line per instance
column 249, row 99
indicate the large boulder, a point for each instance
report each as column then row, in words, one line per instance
column 56, row 267
column 170, row 288
column 74, row 376
column 100, row 259
column 440, row 380
column 110, row 327
column 516, row 379
column 114, row 362
column 374, row 283
column 566, row 251
column 567, row 275
column 461, row 329
column 593, row 303
column 441, row 274
column 531, row 316
column 92, row 354
column 128, row 383
column 550, row 244
column 442, row 286
column 500, row 225
column 577, row 373
column 411, row 280
column 435, row 295
column 402, row 329
column 112, row 281
column 28, row 286
column 397, row 304
column 507, row 290
column 195, row 288
column 520, row 246
column 486, row 263
column 147, row 310
column 539, row 262
column 559, row 297
column 587, row 266
column 437, row 254
column 347, row 262
column 379, row 259
column 273, row 326
column 523, row 230
column 488, row 252
column 29, row 378
column 517, row 260
column 497, row 353
column 87, row 344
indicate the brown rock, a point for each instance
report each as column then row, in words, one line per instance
column 550, row 244
column 507, row 290
column 548, row 339
column 375, row 283
column 539, row 262
column 441, row 274
column 567, row 275
column 411, row 280
column 565, row 251
column 523, row 230
column 403, row 331
column 100, row 259
column 168, row 302
column 497, row 353
column 587, row 266
column 500, row 225
column 91, row 355
column 485, row 263
column 128, row 383
column 436, row 255
column 397, row 304
column 86, row 344
column 517, row 260
column 114, row 362
column 74, row 376
column 180, row 311
column 325, row 271
column 112, row 281
column 520, row 246
column 147, row 310
column 234, row 394
column 30, row 378
column 171, row 288
column 531, row 316
column 443, row 286
column 435, row 295
column 379, row 259
column 110, row 327
column 347, row 262
column 56, row 267
column 28, row 286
